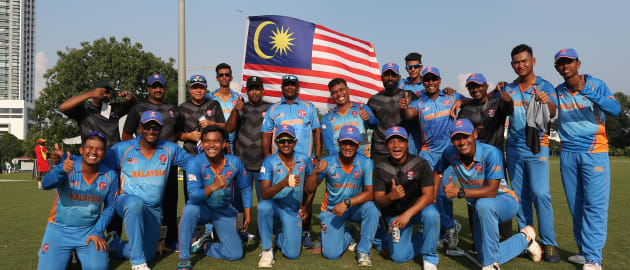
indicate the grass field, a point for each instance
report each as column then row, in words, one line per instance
column 24, row 211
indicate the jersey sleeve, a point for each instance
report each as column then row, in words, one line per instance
column 218, row 113
column 77, row 113
column 196, row 188
column 268, row 123
column 372, row 122
column 368, row 170
column 180, row 157
column 327, row 135
column 131, row 123
column 601, row 95
column 109, row 205
column 494, row 164
column 266, row 170
column 444, row 161
column 55, row 177
column 244, row 185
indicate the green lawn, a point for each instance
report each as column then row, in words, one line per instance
column 25, row 210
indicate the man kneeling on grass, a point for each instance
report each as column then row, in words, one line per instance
column 479, row 168
column 348, row 195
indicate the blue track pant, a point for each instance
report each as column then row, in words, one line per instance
column 489, row 212
column 289, row 238
column 529, row 176
column 224, row 221
column 586, row 181
column 425, row 244
column 58, row 244
column 444, row 205
column 142, row 226
column 335, row 239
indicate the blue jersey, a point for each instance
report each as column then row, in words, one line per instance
column 333, row 121
column 201, row 174
column 275, row 171
column 227, row 106
column 79, row 200
column 143, row 175
column 518, row 119
column 416, row 88
column 581, row 116
column 434, row 118
column 487, row 165
column 345, row 183
column 301, row 115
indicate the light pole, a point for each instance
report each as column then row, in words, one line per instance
column 181, row 57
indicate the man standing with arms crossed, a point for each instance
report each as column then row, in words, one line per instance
column 225, row 96
column 529, row 170
column 584, row 165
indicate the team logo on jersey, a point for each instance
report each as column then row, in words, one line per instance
column 425, row 109
column 102, row 186
column 324, row 227
column 209, row 112
column 333, row 119
column 490, row 112
column 280, row 115
column 512, row 92
column 446, row 102
column 478, row 168
column 300, row 168
column 192, row 177
column 301, row 113
column 355, row 174
column 207, row 176
column 162, row 158
column 263, row 114
column 44, row 248
column 171, row 113
column 132, row 160
column 410, row 175
column 228, row 173
column 355, row 113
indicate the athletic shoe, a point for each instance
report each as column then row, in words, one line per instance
column 451, row 236
column 352, row 246
column 110, row 237
column 428, row 266
column 306, row 240
column 455, row 252
column 577, row 259
column 198, row 245
column 494, row 266
column 364, row 259
column 550, row 254
column 246, row 236
column 533, row 248
column 266, row 259
column 184, row 264
column 143, row 266
column 591, row 265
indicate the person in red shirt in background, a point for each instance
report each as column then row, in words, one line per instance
column 42, row 161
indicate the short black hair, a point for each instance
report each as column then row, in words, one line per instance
column 222, row 66
column 522, row 48
column 414, row 56
column 92, row 137
column 336, row 81
column 213, row 128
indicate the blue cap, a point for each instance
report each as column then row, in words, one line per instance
column 285, row 129
column 476, row 78
column 390, row 66
column 396, row 131
column 156, row 78
column 151, row 115
column 433, row 70
column 349, row 132
column 197, row 79
column 461, row 126
column 566, row 53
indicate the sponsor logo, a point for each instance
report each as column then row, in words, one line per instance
column 192, row 177
column 262, row 169
column 228, row 173
column 102, row 186
column 301, row 113
column 478, row 168
column 162, row 158
column 132, row 160
column 355, row 174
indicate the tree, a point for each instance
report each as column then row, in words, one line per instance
column 127, row 65
column 10, row 147
column 618, row 127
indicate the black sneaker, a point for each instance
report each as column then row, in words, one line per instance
column 307, row 242
column 550, row 254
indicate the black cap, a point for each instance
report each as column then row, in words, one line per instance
column 286, row 79
column 254, row 81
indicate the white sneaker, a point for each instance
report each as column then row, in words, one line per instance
column 364, row 259
column 143, row 266
column 352, row 246
column 577, row 259
column 266, row 259
column 494, row 266
column 428, row 266
column 534, row 250
column 451, row 236
column 593, row 266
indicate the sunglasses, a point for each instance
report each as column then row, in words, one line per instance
column 416, row 66
column 153, row 127
column 96, row 134
column 289, row 77
column 285, row 140
column 224, row 75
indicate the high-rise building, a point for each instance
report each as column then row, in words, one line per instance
column 17, row 66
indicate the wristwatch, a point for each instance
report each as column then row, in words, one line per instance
column 347, row 202
column 461, row 193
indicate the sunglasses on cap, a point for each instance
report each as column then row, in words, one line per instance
column 285, row 140
column 150, row 126
column 416, row 66
column 224, row 75
column 94, row 133
column 289, row 77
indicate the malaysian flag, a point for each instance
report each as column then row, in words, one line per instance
column 279, row 45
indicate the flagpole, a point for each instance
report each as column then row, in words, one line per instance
column 181, row 58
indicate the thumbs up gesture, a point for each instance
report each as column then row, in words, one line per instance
column 450, row 190
column 68, row 163
column 364, row 115
column 403, row 103
column 397, row 191
column 239, row 104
